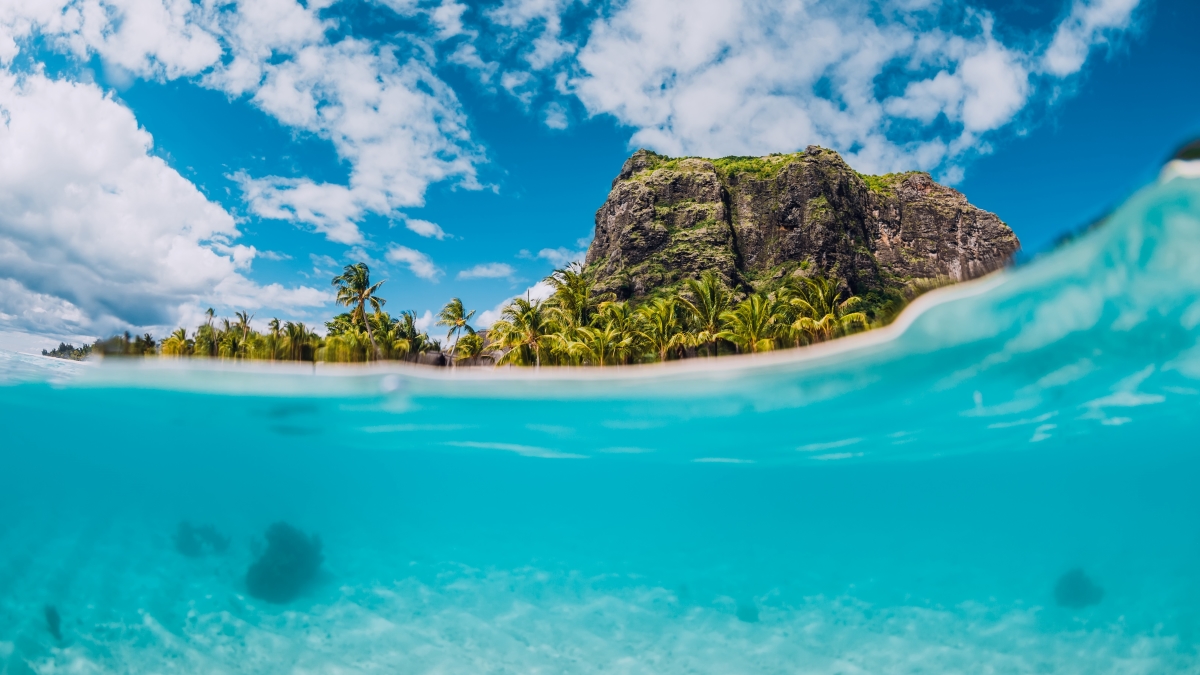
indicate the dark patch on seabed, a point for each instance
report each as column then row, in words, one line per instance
column 1075, row 590
column 287, row 566
column 53, row 622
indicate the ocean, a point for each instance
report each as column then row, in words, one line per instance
column 1003, row 481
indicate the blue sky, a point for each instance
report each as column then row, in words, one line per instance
column 162, row 156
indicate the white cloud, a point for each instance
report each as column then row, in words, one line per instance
column 323, row 264
column 555, row 116
column 97, row 234
column 147, row 38
column 1088, row 23
column 329, row 209
column 721, row 77
column 541, row 20
column 487, row 271
column 425, row 322
column 425, row 228
column 561, row 256
column 418, row 263
column 388, row 116
column 539, row 291
column 448, row 18
column 397, row 125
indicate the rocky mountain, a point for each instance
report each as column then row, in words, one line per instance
column 756, row 219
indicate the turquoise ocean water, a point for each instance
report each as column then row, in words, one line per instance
column 906, row 501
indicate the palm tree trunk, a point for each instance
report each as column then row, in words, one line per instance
column 362, row 309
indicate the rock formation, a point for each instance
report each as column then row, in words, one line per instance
column 756, row 219
column 287, row 567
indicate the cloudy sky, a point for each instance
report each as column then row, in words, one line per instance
column 158, row 157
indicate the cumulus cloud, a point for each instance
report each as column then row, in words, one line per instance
column 418, row 263
column 559, row 257
column 425, row 228
column 389, row 117
column 539, row 291
column 1088, row 24
column 555, row 116
column 97, row 234
column 398, row 125
column 727, row 77
column 487, row 271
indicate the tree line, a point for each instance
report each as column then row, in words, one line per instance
column 575, row 325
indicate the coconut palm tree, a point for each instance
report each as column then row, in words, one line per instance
column 706, row 301
column 819, row 309
column 572, row 299
column 417, row 340
column 243, row 323
column 298, row 341
column 349, row 346
column 177, row 344
column 356, row 291
column 661, row 327
column 751, row 325
column 206, row 341
column 469, row 346
column 455, row 316
column 144, row 344
column 597, row 345
column 522, row 333
column 274, row 337
column 626, row 324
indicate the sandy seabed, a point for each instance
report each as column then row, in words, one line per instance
column 131, row 604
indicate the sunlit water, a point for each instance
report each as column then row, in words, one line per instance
column 901, row 502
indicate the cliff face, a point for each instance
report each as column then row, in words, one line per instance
column 754, row 220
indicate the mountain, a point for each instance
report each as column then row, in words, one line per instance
column 757, row 219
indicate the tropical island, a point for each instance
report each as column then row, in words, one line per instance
column 691, row 257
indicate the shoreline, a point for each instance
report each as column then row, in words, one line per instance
column 374, row 379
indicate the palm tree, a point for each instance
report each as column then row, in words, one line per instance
column 706, row 302
column 144, row 344
column 351, row 345
column 572, row 299
column 274, row 336
column 751, row 325
column 626, row 325
column 177, row 344
column 597, row 345
column 661, row 327
column 524, row 330
column 455, row 316
column 243, row 322
column 469, row 346
column 206, row 341
column 356, row 291
column 417, row 341
column 298, row 340
column 820, row 310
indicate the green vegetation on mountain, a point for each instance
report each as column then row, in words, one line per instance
column 757, row 221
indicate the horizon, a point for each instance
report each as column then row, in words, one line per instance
column 226, row 158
